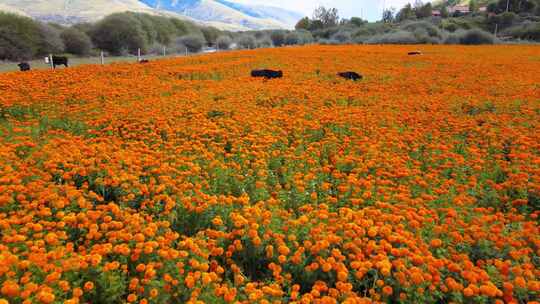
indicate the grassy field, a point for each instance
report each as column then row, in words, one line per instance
column 185, row 180
column 40, row 64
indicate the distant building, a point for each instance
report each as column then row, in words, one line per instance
column 482, row 9
column 460, row 9
column 436, row 13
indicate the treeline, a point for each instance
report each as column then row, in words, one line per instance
column 23, row 38
column 484, row 23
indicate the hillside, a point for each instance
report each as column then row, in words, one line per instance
column 219, row 13
column 246, row 16
column 75, row 11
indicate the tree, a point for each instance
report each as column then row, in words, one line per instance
column 19, row 37
column 473, row 6
column 210, row 34
column 316, row 25
column 247, row 41
column 278, row 38
column 406, row 13
column 303, row 24
column 119, row 33
column 444, row 12
column 328, row 17
column 357, row 21
column 50, row 41
column 424, row 11
column 224, row 42
column 192, row 43
column 388, row 15
column 292, row 38
column 76, row 42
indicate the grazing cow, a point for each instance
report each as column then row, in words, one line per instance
column 414, row 53
column 350, row 76
column 144, row 61
column 59, row 60
column 24, row 66
column 267, row 74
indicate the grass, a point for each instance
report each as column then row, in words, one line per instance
column 39, row 64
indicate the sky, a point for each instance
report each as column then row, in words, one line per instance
column 368, row 9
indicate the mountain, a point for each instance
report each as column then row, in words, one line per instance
column 247, row 17
column 222, row 14
column 287, row 17
column 73, row 11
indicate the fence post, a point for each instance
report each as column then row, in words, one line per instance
column 164, row 51
column 51, row 61
column 102, row 58
column 139, row 55
column 186, row 52
column 496, row 29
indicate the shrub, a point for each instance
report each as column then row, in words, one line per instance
column 528, row 31
column 454, row 24
column 265, row 42
column 76, row 42
column 342, row 37
column 329, row 42
column 278, row 38
column 423, row 30
column 119, row 33
column 397, row 37
column 223, row 42
column 305, row 37
column 452, row 39
column 19, row 37
column 247, row 41
column 50, row 41
column 193, row 43
column 292, row 38
column 475, row 36
column 210, row 34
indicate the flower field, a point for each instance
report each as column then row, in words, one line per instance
column 187, row 181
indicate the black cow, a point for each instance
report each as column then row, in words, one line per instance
column 144, row 61
column 24, row 66
column 59, row 60
column 414, row 53
column 350, row 76
column 268, row 74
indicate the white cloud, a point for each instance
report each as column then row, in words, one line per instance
column 369, row 9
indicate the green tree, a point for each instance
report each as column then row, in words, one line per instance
column 193, row 43
column 357, row 21
column 210, row 34
column 247, row 41
column 120, row 33
column 473, row 6
column 223, row 42
column 303, row 24
column 50, row 41
column 424, row 11
column 76, row 41
column 406, row 13
column 19, row 37
column 444, row 12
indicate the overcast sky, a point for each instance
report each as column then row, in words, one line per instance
column 370, row 9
